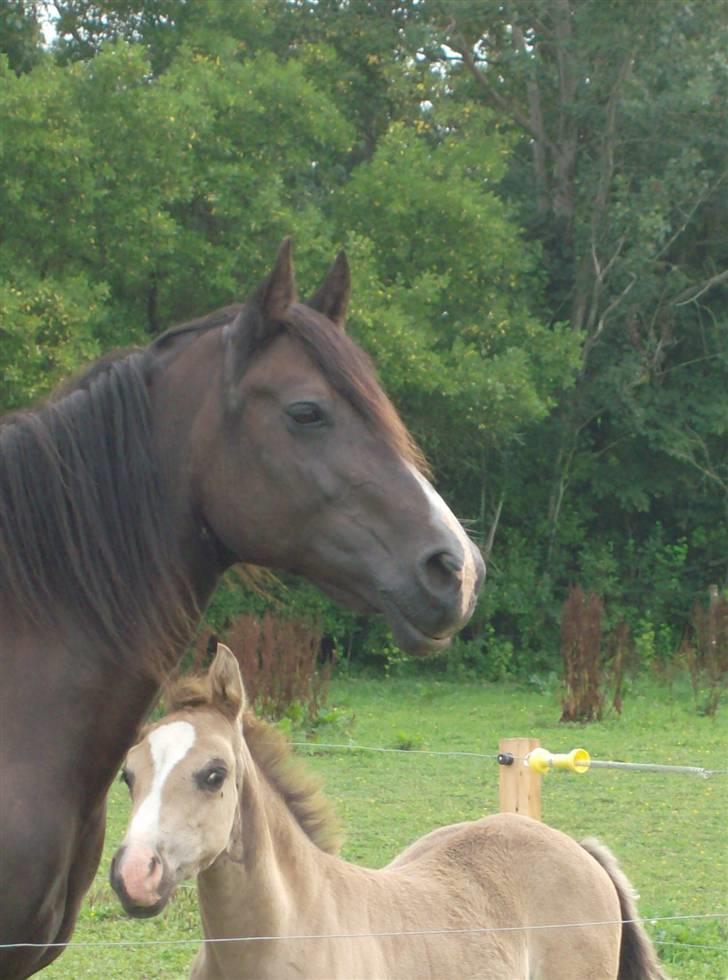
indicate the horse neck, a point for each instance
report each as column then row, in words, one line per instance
column 176, row 433
column 86, row 710
column 280, row 874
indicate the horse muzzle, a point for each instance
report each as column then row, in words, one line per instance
column 141, row 880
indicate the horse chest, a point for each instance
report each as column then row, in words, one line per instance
column 48, row 866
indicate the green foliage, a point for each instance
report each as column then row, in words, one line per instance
column 20, row 34
column 45, row 333
column 489, row 657
column 157, row 194
column 460, row 342
column 538, row 255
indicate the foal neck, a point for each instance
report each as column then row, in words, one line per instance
column 281, row 872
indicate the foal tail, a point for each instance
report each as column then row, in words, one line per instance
column 637, row 957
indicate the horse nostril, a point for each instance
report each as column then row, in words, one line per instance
column 153, row 862
column 450, row 562
column 113, row 870
column 442, row 570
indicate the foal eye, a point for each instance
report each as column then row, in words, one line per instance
column 127, row 778
column 305, row 413
column 212, row 779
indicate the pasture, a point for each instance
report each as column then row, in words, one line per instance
column 668, row 831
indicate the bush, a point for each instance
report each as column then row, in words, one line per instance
column 707, row 655
column 581, row 637
column 281, row 664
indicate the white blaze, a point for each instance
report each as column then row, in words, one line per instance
column 168, row 744
column 442, row 513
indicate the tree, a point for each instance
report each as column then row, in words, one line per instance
column 21, row 38
column 620, row 175
column 150, row 200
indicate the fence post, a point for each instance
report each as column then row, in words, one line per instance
column 519, row 786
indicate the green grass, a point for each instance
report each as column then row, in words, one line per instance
column 668, row 831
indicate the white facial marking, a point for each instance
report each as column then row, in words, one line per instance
column 169, row 744
column 441, row 512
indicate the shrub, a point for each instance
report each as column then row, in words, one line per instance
column 281, row 663
column 581, row 637
column 707, row 656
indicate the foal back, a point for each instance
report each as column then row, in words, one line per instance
column 531, row 890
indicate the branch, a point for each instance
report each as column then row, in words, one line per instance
column 592, row 339
column 459, row 44
column 488, row 546
column 700, row 200
column 694, row 292
column 607, row 161
column 708, row 471
column 533, row 95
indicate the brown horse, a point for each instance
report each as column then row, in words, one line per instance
column 257, row 434
column 215, row 795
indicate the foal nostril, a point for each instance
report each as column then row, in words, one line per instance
column 114, row 868
column 442, row 571
column 153, row 862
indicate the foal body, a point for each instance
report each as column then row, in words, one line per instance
column 466, row 877
column 461, row 902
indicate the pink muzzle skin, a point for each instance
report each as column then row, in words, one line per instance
column 138, row 870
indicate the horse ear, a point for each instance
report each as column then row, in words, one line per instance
column 260, row 317
column 276, row 293
column 332, row 297
column 226, row 683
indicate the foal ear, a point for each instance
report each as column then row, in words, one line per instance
column 226, row 684
column 332, row 297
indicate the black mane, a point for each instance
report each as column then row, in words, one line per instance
column 84, row 531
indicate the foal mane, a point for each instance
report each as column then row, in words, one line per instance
column 297, row 786
column 85, row 534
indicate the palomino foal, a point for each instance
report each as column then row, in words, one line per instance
column 215, row 795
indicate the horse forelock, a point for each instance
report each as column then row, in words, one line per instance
column 85, row 536
column 350, row 371
column 344, row 365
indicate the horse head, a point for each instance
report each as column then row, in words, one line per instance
column 297, row 460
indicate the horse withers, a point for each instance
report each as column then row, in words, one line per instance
column 215, row 795
column 258, row 434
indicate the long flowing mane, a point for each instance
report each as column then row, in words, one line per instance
column 298, row 787
column 85, row 537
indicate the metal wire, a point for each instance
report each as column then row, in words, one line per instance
column 593, row 763
column 364, row 935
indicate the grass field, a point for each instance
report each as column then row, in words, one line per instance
column 668, row 831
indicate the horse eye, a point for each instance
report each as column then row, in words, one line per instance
column 213, row 779
column 305, row 413
column 127, row 778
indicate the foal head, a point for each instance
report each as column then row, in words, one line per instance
column 184, row 778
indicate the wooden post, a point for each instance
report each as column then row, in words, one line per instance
column 519, row 786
